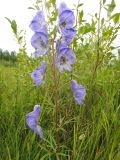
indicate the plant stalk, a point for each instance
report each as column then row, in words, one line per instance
column 56, row 90
column 98, row 43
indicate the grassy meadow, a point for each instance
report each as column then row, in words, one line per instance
column 91, row 132
column 85, row 133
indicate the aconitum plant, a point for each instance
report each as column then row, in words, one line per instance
column 62, row 60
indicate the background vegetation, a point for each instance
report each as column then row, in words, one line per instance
column 8, row 56
column 85, row 133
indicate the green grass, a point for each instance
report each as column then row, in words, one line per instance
column 85, row 133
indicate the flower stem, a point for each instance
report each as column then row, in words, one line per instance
column 56, row 90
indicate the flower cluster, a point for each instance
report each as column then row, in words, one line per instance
column 64, row 58
column 40, row 38
column 40, row 42
column 66, row 22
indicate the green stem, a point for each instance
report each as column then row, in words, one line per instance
column 98, row 43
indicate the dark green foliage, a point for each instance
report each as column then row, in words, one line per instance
column 8, row 56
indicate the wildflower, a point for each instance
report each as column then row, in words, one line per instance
column 68, row 35
column 38, row 74
column 32, row 120
column 66, row 17
column 40, row 42
column 79, row 92
column 40, row 38
column 65, row 57
column 38, row 22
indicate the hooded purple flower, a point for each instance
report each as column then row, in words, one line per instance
column 38, row 22
column 38, row 74
column 79, row 92
column 65, row 57
column 40, row 42
column 40, row 38
column 32, row 120
column 66, row 17
column 66, row 22
column 68, row 35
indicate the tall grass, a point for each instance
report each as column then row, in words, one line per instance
column 84, row 133
column 90, row 132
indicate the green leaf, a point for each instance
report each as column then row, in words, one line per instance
column 54, row 2
column 81, row 16
column 113, row 38
column 79, row 5
column 31, row 8
column 20, row 39
column 102, row 21
column 8, row 20
column 119, row 52
column 53, row 31
column 116, row 18
column 14, row 26
column 104, row 1
column 111, row 6
column 86, row 29
column 96, row 15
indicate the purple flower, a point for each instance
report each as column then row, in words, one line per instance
column 66, row 22
column 66, row 17
column 40, row 38
column 38, row 74
column 68, row 35
column 38, row 22
column 40, row 42
column 65, row 57
column 32, row 120
column 79, row 92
